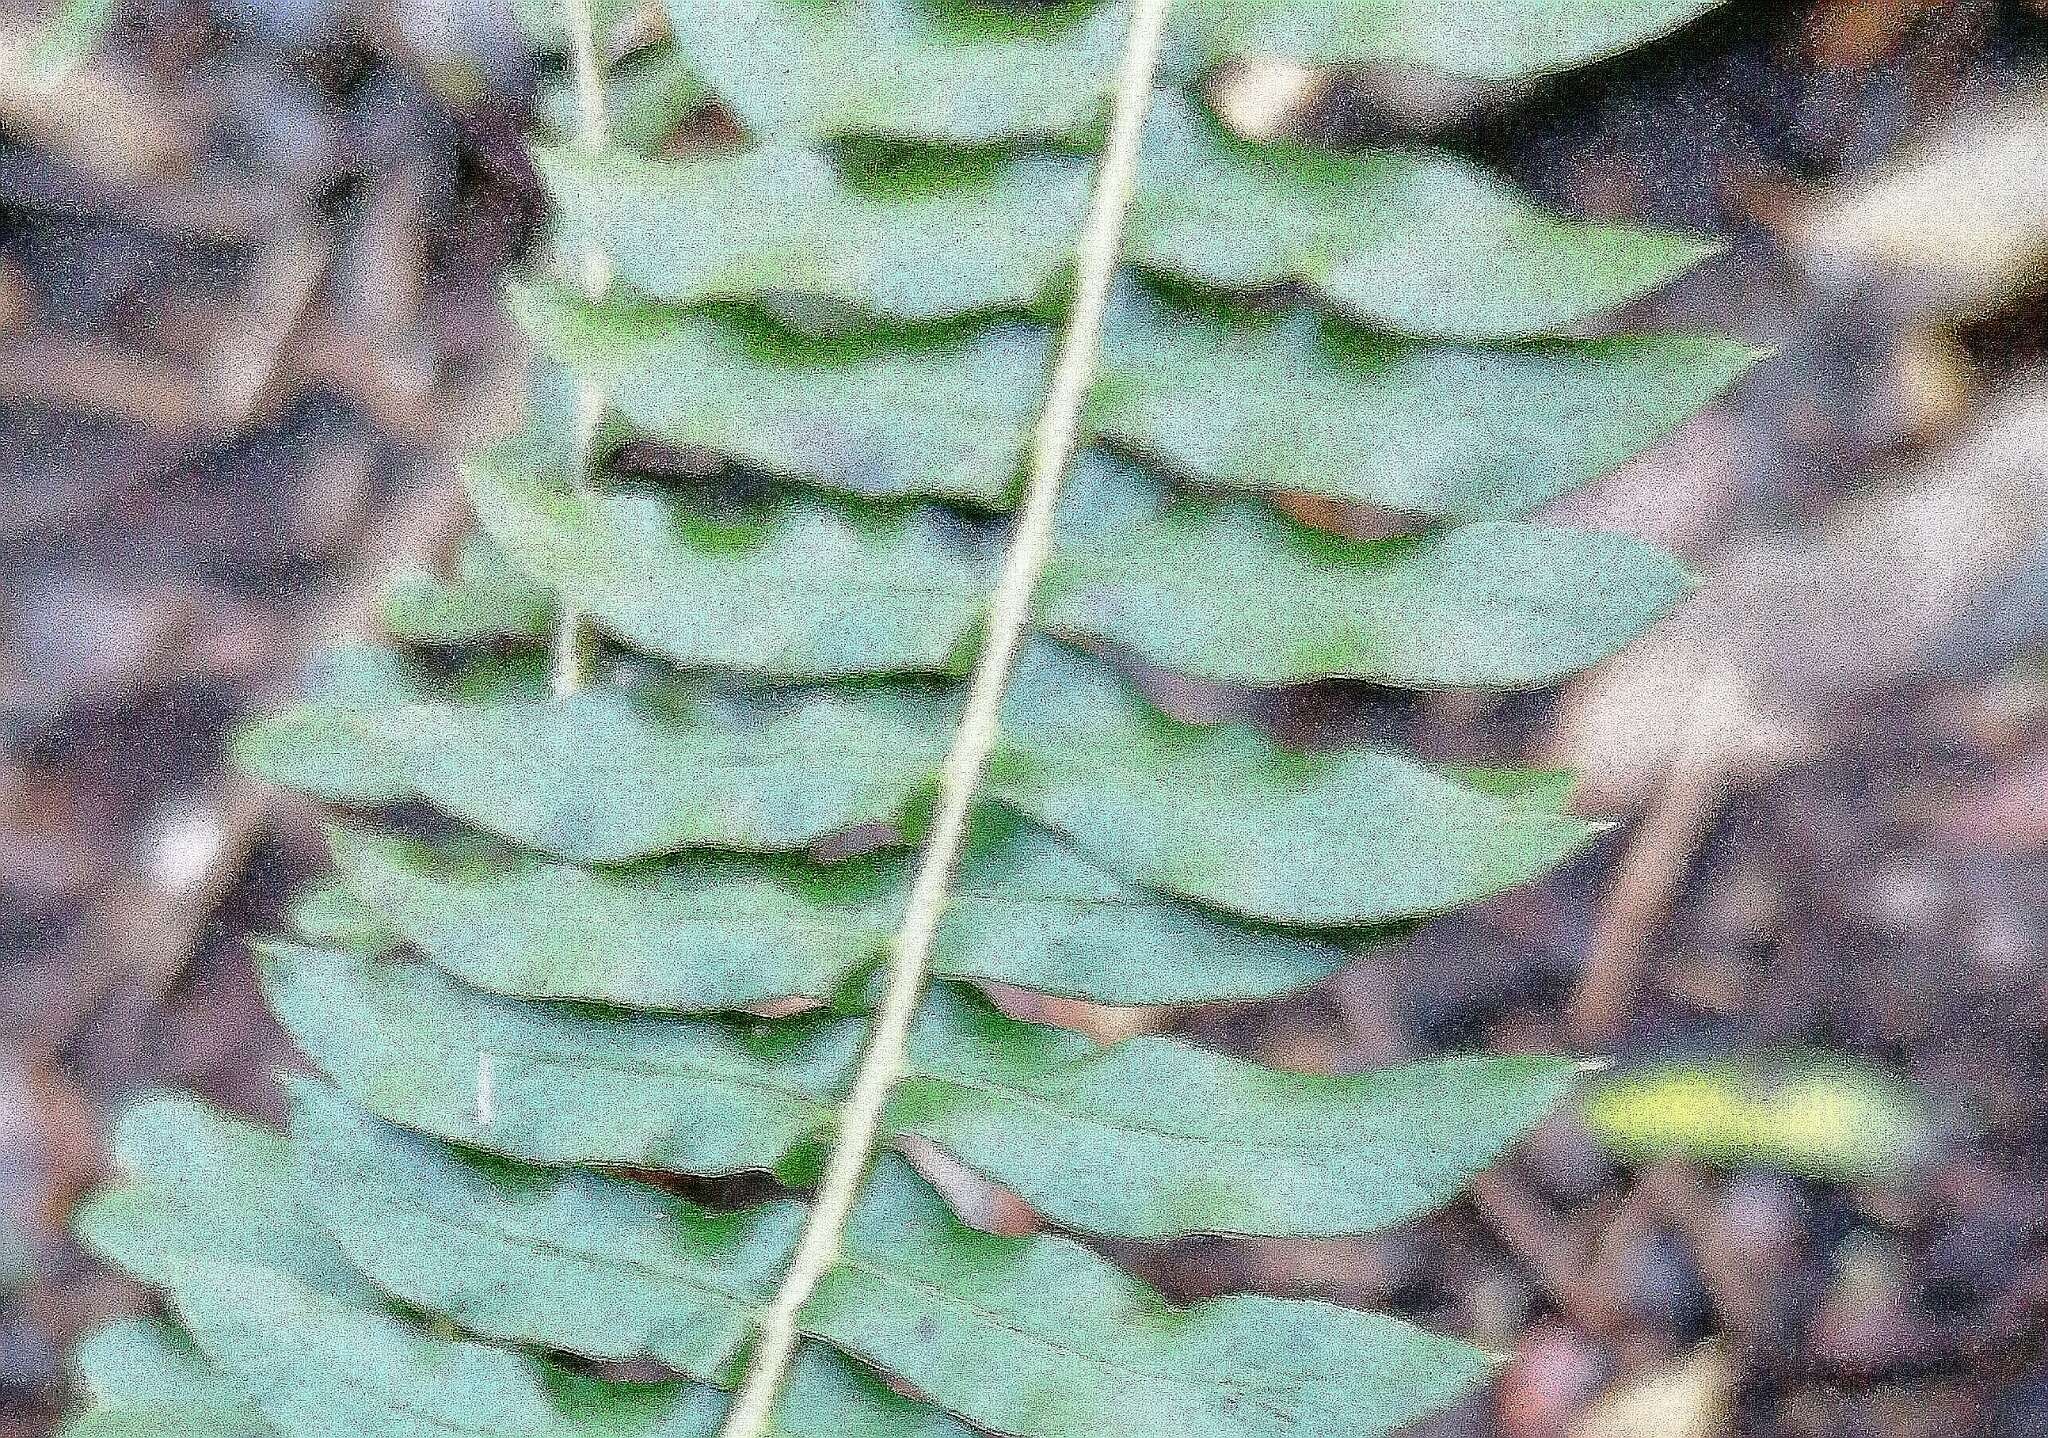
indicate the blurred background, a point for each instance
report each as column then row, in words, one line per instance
column 249, row 259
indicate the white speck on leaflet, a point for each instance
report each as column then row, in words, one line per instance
column 486, row 1105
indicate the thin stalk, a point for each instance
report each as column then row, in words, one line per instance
column 960, row 777
column 594, row 275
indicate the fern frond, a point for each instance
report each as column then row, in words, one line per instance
column 970, row 435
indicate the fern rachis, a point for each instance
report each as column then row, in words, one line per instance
column 717, row 895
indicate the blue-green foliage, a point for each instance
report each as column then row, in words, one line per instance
column 578, row 979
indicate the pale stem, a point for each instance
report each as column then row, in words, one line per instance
column 960, row 776
column 593, row 273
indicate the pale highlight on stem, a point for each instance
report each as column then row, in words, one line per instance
column 960, row 776
column 594, row 274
